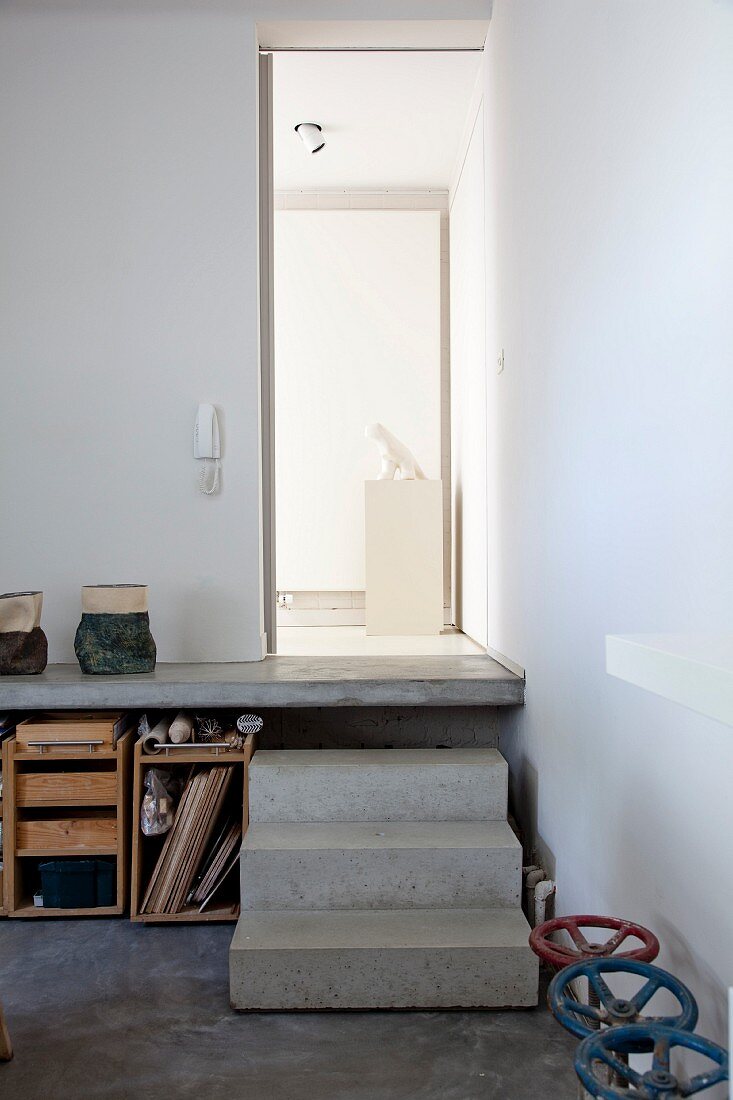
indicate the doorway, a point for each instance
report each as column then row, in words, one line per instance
column 359, row 275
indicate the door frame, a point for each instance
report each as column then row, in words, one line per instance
column 439, row 35
column 266, row 202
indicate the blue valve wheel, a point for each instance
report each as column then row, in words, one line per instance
column 601, row 1052
column 612, row 1011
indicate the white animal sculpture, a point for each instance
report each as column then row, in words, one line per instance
column 397, row 460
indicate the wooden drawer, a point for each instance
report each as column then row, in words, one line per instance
column 95, row 833
column 54, row 728
column 66, row 788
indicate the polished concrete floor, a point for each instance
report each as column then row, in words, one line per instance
column 104, row 1009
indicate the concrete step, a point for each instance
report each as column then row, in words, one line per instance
column 378, row 785
column 380, row 865
column 408, row 958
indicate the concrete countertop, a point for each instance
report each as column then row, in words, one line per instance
column 276, row 682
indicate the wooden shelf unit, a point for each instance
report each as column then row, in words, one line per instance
column 64, row 802
column 145, row 849
column 3, row 910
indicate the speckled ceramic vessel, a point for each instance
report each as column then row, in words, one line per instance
column 113, row 637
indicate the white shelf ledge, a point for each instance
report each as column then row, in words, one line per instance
column 695, row 670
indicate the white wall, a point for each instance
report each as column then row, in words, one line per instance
column 326, row 602
column 468, row 387
column 357, row 340
column 129, row 268
column 609, row 169
column 128, row 218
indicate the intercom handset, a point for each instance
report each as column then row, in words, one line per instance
column 206, row 445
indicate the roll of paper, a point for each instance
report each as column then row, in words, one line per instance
column 155, row 738
column 181, row 729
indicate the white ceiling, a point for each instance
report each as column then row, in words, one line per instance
column 415, row 34
column 391, row 121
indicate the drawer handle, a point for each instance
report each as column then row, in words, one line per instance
column 41, row 745
column 216, row 747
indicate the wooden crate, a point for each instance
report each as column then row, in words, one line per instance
column 5, row 847
column 175, row 759
column 65, row 801
column 3, row 910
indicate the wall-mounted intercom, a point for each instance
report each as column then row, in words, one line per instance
column 206, row 446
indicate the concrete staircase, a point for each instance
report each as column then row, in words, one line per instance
column 380, row 878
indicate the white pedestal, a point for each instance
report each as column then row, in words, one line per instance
column 404, row 557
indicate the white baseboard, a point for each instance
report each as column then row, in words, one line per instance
column 505, row 661
column 332, row 616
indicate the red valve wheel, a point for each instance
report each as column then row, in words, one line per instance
column 560, row 955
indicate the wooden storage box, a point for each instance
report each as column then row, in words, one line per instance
column 145, row 850
column 5, row 847
column 64, row 801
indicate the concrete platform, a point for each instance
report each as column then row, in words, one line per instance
column 380, row 865
column 382, row 959
column 373, row 785
column 477, row 681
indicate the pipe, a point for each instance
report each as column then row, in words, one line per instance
column 532, row 875
column 544, row 890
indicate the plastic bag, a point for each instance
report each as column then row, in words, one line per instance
column 157, row 811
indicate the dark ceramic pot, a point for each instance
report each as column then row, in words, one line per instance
column 113, row 637
column 23, row 645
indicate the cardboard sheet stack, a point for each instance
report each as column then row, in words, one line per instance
column 185, row 846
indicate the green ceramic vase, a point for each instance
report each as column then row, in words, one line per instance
column 113, row 637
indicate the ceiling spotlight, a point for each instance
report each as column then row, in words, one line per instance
column 310, row 135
